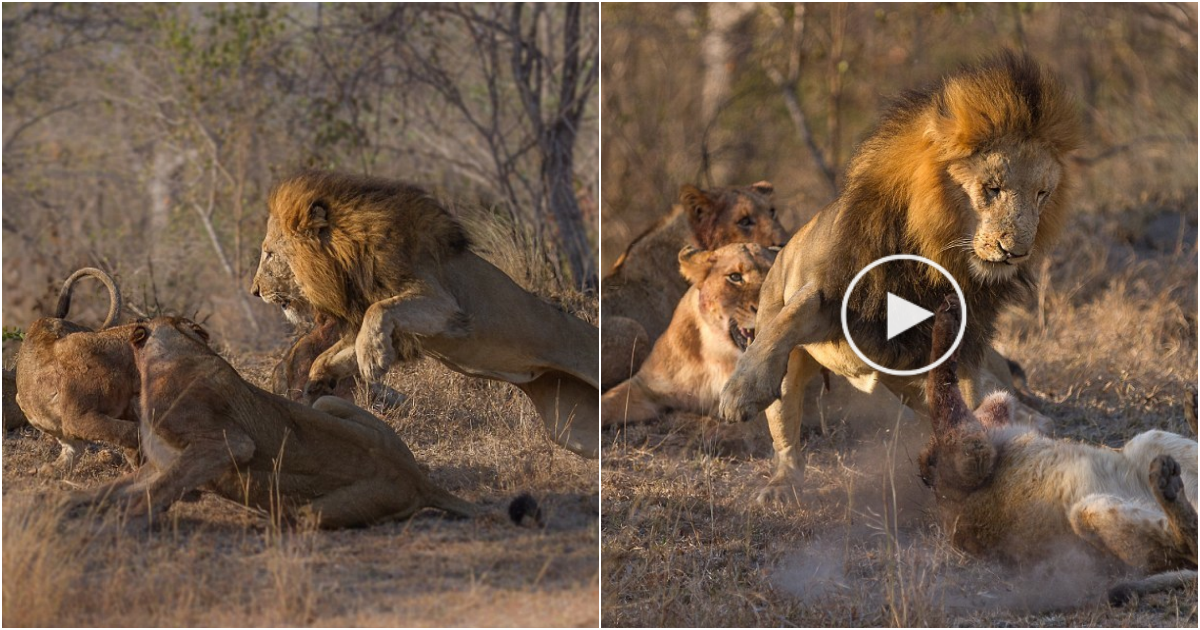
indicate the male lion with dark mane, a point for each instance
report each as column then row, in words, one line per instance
column 970, row 174
column 396, row 271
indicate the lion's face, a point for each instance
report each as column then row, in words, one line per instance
column 1008, row 187
column 728, row 280
column 744, row 214
column 274, row 281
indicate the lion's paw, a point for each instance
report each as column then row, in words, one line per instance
column 375, row 355
column 1165, row 479
column 744, row 397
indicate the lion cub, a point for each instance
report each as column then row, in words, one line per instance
column 713, row 324
column 1005, row 490
column 206, row 428
column 76, row 384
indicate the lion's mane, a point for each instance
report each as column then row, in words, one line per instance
column 898, row 197
column 354, row 240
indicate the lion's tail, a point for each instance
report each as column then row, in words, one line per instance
column 443, row 500
column 114, row 295
column 1120, row 594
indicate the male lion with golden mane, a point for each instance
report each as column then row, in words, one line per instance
column 639, row 296
column 712, row 326
column 205, row 427
column 970, row 174
column 395, row 270
column 1009, row 492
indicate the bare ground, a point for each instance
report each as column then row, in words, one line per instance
column 1109, row 344
column 216, row 564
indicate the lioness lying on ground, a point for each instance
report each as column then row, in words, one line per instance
column 206, row 428
column 396, row 272
column 76, row 384
column 1007, row 491
column 713, row 324
column 639, row 296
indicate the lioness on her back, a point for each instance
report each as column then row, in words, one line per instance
column 206, row 428
column 639, row 294
column 713, row 324
column 1005, row 490
column 970, row 174
column 396, row 272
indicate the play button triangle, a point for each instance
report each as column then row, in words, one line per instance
column 902, row 315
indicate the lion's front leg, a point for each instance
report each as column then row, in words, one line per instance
column 758, row 378
column 426, row 311
column 333, row 365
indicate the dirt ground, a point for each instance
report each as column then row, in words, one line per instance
column 216, row 564
column 1109, row 345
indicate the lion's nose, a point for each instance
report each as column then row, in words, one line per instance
column 254, row 290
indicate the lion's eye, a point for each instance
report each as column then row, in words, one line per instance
column 735, row 278
column 1042, row 194
column 746, row 222
column 993, row 191
column 772, row 211
column 268, row 255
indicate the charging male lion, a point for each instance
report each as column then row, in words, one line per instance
column 1007, row 491
column 712, row 326
column 206, row 428
column 639, row 296
column 395, row 270
column 971, row 175
column 76, row 384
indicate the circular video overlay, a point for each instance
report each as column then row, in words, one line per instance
column 903, row 315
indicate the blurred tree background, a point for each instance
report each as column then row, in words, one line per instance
column 143, row 139
column 728, row 94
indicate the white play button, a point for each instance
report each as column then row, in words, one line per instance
column 902, row 315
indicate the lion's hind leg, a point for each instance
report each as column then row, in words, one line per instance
column 1133, row 531
column 570, row 410
column 628, row 402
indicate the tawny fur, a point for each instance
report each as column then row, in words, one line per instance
column 1009, row 492
column 394, row 270
column 639, row 297
column 333, row 463
column 970, row 174
column 695, row 356
column 76, row 384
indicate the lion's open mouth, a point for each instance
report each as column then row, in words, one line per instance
column 742, row 337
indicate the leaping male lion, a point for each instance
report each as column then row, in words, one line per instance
column 396, row 271
column 969, row 174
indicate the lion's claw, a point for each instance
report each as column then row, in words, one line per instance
column 375, row 356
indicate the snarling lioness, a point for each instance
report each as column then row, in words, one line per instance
column 1005, row 490
column 971, row 175
column 712, row 326
column 206, row 428
column 76, row 384
column 396, row 272
column 639, row 296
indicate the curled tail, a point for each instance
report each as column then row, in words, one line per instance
column 114, row 295
column 1122, row 593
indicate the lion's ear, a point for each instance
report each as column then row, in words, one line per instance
column 200, row 332
column 701, row 213
column 763, row 188
column 139, row 336
column 695, row 263
column 316, row 223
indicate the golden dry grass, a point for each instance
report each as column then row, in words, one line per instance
column 215, row 564
column 1109, row 344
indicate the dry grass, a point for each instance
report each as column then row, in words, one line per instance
column 215, row 564
column 1109, row 344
